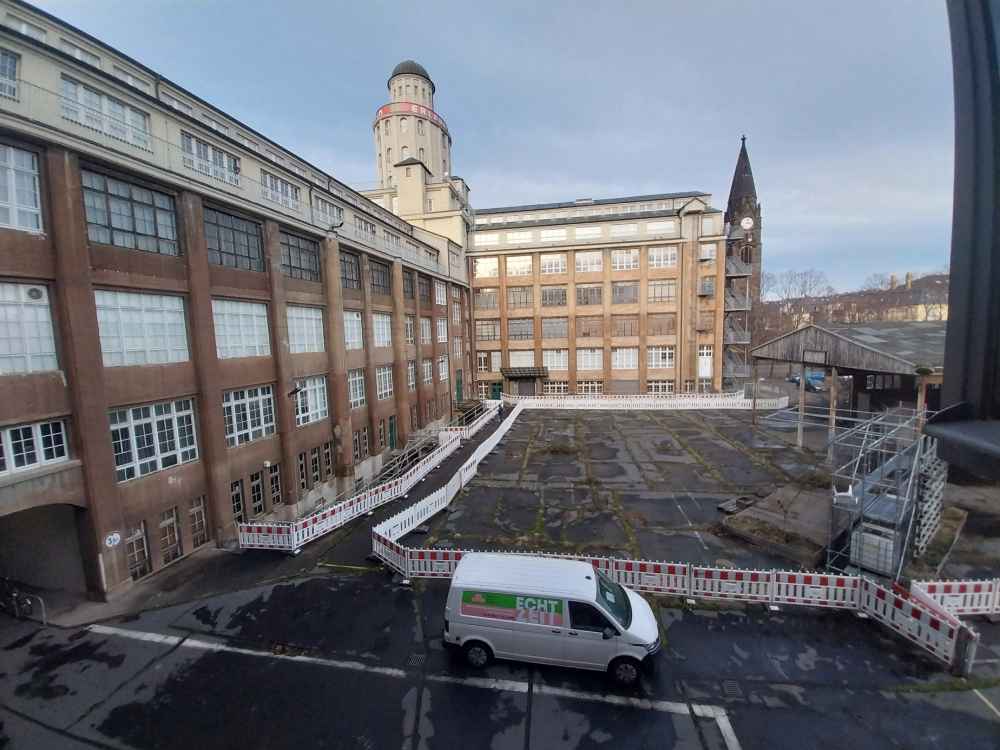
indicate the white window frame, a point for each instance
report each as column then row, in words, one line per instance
column 514, row 270
column 383, row 382
column 663, row 256
column 427, row 370
column 555, row 359
column 625, row 358
column 483, row 361
column 311, row 403
column 27, row 336
column 27, row 28
column 660, row 357
column 625, row 259
column 241, row 329
column 521, row 357
column 40, row 443
column 141, row 329
column 93, row 109
column 485, row 268
column 248, row 414
column 408, row 325
column 496, row 359
column 9, row 64
column 660, row 387
column 590, row 387
column 555, row 388
column 411, row 374
column 279, row 190
column 382, row 329
column 77, row 52
column 19, row 171
column 305, row 329
column 443, row 367
column 552, row 263
column 356, row 388
column 442, row 330
column 589, row 261
column 707, row 250
column 164, row 432
column 354, row 330
column 590, row 358
column 440, row 293
column 208, row 159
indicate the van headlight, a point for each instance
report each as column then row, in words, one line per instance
column 652, row 648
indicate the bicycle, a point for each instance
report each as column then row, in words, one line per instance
column 14, row 601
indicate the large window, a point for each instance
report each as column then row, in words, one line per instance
column 661, row 324
column 519, row 296
column 299, row 257
column 482, row 361
column 520, row 328
column 106, row 114
column 487, row 330
column 305, row 329
column 151, row 437
column 660, row 357
column 383, row 382
column 590, row 387
column 624, row 292
column 660, row 387
column 356, row 387
column 555, row 359
column 486, row 299
column 443, row 367
column 310, row 401
column 519, row 265
column 553, row 296
column 427, row 370
column 442, row 330
column 590, row 327
column 20, row 201
column 485, row 268
column 522, row 358
column 589, row 294
column 424, row 289
column 425, row 331
column 350, row 271
column 624, row 358
column 381, row 283
column 440, row 293
column 625, row 260
column 140, row 329
column 625, row 325
column 29, row 445
column 663, row 257
column 409, row 290
column 240, row 329
column 353, row 330
column 233, row 241
column 589, row 262
column 328, row 213
column 278, row 190
column 382, row 329
column 128, row 215
column 27, row 341
column 555, row 388
column 411, row 374
column 210, row 160
column 408, row 325
column 663, row 290
column 553, row 263
column 361, row 441
column 555, row 328
column 589, row 359
column 248, row 414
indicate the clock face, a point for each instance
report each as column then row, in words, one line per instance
column 747, row 223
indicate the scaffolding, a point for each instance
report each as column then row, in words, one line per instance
column 888, row 485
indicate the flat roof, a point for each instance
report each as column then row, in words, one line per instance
column 920, row 342
column 526, row 573
column 591, row 202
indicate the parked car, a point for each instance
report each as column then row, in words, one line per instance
column 549, row 611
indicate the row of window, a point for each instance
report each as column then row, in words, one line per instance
column 596, row 387
column 657, row 324
column 622, row 292
column 622, row 358
column 590, row 261
column 171, row 538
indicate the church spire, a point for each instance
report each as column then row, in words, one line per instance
column 743, row 192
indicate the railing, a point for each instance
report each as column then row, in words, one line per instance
column 734, row 400
column 378, row 242
column 737, row 301
column 736, row 335
column 737, row 267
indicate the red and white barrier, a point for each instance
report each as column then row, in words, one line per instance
column 726, row 583
column 815, row 590
column 654, row 577
column 963, row 597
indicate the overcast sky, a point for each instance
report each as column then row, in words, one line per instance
column 847, row 106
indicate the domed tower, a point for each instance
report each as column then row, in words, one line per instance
column 409, row 128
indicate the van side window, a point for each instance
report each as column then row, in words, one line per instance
column 586, row 617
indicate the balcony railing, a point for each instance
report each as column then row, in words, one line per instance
column 737, row 301
column 734, row 368
column 736, row 335
column 737, row 267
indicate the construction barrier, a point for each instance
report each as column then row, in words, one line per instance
column 815, row 590
column 729, row 583
column 963, row 597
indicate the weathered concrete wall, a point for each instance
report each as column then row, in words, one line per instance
column 40, row 547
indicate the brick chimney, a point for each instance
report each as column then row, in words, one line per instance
column 892, row 281
column 909, row 280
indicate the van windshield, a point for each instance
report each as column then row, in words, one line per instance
column 614, row 599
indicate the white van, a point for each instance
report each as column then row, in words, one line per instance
column 550, row 611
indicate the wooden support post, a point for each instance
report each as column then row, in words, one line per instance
column 802, row 403
column 832, row 429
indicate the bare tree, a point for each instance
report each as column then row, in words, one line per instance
column 876, row 281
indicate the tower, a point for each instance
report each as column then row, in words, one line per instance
column 413, row 158
column 743, row 268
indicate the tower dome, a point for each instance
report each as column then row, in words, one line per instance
column 411, row 67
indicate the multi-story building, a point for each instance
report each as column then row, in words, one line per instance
column 198, row 325
column 617, row 296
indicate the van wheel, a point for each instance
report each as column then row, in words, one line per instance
column 477, row 654
column 625, row 671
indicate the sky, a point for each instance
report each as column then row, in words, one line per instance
column 847, row 107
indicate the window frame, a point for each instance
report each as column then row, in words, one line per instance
column 311, row 400
column 255, row 401
column 183, row 437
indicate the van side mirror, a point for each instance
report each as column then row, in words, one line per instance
column 608, row 633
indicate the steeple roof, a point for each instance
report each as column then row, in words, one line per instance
column 743, row 186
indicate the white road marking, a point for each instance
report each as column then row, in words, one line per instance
column 484, row 683
column 688, row 520
column 698, row 534
column 985, row 700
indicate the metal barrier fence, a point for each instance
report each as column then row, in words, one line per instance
column 735, row 400
column 962, row 597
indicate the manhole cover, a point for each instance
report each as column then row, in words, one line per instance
column 416, row 660
column 731, row 689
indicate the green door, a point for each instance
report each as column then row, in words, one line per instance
column 458, row 386
column 392, row 432
column 495, row 389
